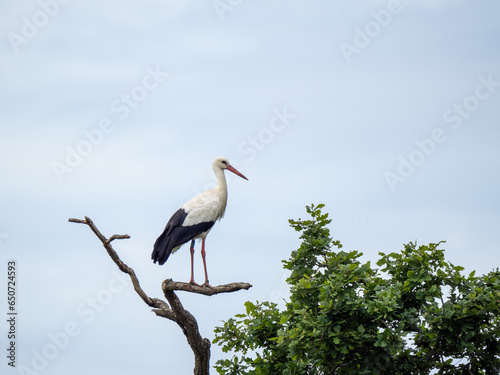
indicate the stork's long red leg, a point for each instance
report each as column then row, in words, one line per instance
column 204, row 263
column 191, row 249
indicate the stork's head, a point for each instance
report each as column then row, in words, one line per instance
column 223, row 163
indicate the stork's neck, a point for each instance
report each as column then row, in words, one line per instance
column 221, row 190
column 221, row 180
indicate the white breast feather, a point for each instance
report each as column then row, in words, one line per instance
column 207, row 206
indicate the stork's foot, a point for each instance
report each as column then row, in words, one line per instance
column 206, row 284
column 191, row 282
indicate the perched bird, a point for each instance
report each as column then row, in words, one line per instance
column 195, row 219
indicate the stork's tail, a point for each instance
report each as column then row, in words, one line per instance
column 161, row 249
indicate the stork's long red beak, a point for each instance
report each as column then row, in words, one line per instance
column 235, row 171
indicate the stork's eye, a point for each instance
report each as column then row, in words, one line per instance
column 224, row 162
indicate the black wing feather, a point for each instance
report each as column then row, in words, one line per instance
column 175, row 235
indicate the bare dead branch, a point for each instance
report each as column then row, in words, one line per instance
column 169, row 285
column 165, row 313
column 77, row 221
column 118, row 237
column 175, row 312
column 112, row 253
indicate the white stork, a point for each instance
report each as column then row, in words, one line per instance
column 195, row 219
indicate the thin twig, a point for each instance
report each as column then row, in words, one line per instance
column 118, row 237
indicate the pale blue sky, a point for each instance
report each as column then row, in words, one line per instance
column 116, row 111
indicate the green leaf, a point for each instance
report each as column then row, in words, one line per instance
column 284, row 319
column 417, row 314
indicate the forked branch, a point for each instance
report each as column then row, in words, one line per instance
column 173, row 310
column 112, row 253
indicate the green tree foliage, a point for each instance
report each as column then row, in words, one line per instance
column 414, row 314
